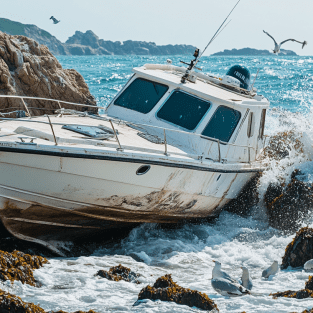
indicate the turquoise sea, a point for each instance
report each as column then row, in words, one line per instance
column 187, row 252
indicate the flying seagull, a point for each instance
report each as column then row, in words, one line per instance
column 272, row 270
column 55, row 21
column 245, row 279
column 277, row 46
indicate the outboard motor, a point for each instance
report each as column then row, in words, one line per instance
column 242, row 74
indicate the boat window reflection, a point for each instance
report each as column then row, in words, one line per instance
column 141, row 95
column 183, row 110
column 222, row 124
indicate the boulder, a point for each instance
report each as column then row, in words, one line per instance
column 300, row 250
column 19, row 266
column 13, row 304
column 247, row 198
column 287, row 206
column 118, row 273
column 29, row 69
column 166, row 289
column 307, row 292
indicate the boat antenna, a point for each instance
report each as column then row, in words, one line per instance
column 197, row 51
column 257, row 73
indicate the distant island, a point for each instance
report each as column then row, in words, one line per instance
column 88, row 43
column 251, row 51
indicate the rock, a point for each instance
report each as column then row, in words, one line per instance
column 166, row 290
column 288, row 206
column 13, row 304
column 309, row 283
column 118, row 273
column 34, row 32
column 18, row 266
column 300, row 249
column 300, row 294
column 251, row 51
column 29, row 69
column 247, row 198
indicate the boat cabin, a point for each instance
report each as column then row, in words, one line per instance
column 218, row 118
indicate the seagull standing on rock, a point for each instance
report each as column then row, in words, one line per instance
column 245, row 279
column 277, row 46
column 272, row 270
column 55, row 21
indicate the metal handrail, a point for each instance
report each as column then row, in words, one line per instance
column 125, row 122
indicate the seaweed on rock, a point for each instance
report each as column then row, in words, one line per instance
column 300, row 249
column 18, row 266
column 118, row 273
column 300, row 294
column 166, row 289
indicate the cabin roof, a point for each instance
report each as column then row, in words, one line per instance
column 200, row 87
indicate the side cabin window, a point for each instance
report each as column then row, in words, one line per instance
column 222, row 124
column 262, row 124
column 250, row 129
column 141, row 95
column 183, row 110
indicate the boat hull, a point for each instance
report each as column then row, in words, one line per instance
column 44, row 198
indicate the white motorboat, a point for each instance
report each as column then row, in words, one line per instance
column 171, row 146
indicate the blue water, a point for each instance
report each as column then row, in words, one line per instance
column 285, row 81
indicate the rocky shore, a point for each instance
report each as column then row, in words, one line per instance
column 30, row 69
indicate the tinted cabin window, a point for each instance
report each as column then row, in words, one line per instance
column 141, row 95
column 222, row 124
column 183, row 110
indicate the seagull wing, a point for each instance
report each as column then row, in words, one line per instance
column 269, row 36
column 225, row 287
column 288, row 40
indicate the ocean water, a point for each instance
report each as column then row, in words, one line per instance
column 187, row 252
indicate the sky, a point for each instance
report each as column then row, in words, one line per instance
column 174, row 21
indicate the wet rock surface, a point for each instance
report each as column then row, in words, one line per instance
column 13, row 304
column 166, row 289
column 19, row 266
column 118, row 273
column 287, row 206
column 307, row 292
column 300, row 250
column 30, row 69
column 247, row 198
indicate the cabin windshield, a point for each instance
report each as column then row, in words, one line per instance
column 141, row 95
column 183, row 110
column 222, row 124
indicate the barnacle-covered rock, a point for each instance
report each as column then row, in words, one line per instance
column 19, row 266
column 118, row 273
column 309, row 283
column 287, row 206
column 166, row 289
column 300, row 249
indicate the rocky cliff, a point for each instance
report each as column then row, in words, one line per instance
column 88, row 43
column 250, row 51
column 32, row 31
column 30, row 69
